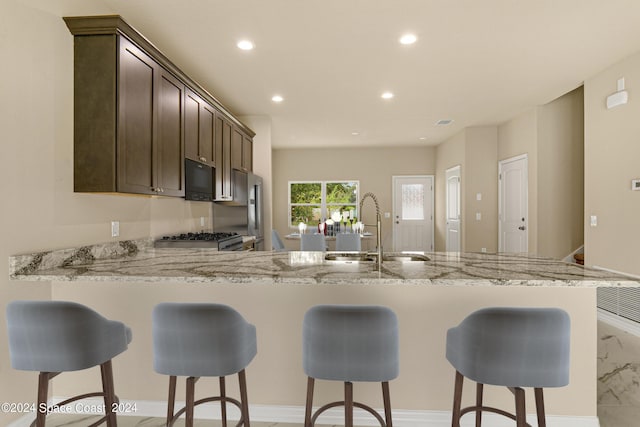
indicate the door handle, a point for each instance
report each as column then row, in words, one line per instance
column 397, row 222
column 522, row 227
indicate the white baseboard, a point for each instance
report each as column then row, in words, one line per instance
column 334, row 416
column 619, row 322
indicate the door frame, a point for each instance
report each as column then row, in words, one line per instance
column 446, row 202
column 501, row 164
column 394, row 178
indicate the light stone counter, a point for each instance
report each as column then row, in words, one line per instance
column 125, row 280
column 138, row 261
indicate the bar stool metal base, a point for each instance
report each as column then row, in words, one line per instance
column 191, row 403
column 520, row 417
column 310, row 418
column 110, row 399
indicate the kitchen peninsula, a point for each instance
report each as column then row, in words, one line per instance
column 125, row 280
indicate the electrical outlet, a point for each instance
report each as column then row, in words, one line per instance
column 478, row 216
column 201, row 221
column 483, row 250
column 115, row 228
column 478, row 196
column 387, row 214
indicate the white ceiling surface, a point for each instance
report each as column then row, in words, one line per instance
column 479, row 62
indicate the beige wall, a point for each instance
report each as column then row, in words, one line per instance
column 475, row 150
column 481, row 177
column 373, row 167
column 520, row 136
column 561, row 175
column 612, row 160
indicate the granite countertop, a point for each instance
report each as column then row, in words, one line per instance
column 138, row 261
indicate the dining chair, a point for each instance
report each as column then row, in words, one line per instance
column 313, row 242
column 276, row 242
column 348, row 242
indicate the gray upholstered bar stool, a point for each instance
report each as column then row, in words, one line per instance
column 512, row 347
column 51, row 337
column 202, row 340
column 350, row 343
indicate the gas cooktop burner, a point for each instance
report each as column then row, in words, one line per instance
column 200, row 236
column 218, row 240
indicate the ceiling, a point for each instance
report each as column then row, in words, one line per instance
column 478, row 62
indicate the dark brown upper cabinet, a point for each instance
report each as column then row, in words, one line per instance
column 199, row 129
column 241, row 151
column 137, row 115
column 149, row 128
column 224, row 188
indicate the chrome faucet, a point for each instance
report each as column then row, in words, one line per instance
column 378, row 227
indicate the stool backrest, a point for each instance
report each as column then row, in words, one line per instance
column 201, row 339
column 513, row 346
column 348, row 242
column 312, row 242
column 351, row 343
column 59, row 336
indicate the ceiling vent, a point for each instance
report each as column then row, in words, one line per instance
column 444, row 122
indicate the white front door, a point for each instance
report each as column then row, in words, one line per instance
column 513, row 194
column 413, row 213
column 453, row 209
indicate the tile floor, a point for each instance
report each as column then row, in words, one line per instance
column 618, row 388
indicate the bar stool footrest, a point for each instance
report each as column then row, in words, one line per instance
column 369, row 409
column 209, row 399
column 489, row 409
column 81, row 397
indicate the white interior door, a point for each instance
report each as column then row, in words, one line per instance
column 453, row 209
column 513, row 194
column 413, row 213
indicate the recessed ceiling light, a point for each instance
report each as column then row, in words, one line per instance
column 355, row 133
column 245, row 44
column 408, row 39
column 387, row 95
column 422, row 138
column 277, row 98
column 444, row 122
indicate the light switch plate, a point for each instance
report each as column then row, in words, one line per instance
column 594, row 221
column 115, row 228
column 478, row 216
column 635, row 184
column 478, row 196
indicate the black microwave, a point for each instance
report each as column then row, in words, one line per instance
column 198, row 181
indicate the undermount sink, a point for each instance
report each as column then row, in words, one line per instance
column 354, row 257
column 357, row 257
column 406, row 257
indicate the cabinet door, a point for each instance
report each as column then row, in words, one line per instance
column 191, row 125
column 222, row 131
column 236, row 149
column 170, row 166
column 135, row 148
column 247, row 153
column 207, row 129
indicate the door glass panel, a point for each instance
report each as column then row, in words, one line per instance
column 412, row 201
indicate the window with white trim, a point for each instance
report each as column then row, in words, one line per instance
column 313, row 201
